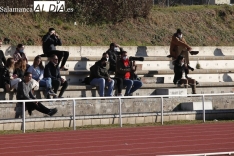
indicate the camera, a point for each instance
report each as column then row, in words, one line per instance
column 136, row 58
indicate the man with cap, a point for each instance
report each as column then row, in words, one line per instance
column 50, row 41
column 179, row 46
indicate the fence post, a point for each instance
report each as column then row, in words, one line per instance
column 203, row 107
column 74, row 114
column 120, row 112
column 162, row 110
column 23, row 111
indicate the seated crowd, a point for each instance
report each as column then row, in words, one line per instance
column 114, row 61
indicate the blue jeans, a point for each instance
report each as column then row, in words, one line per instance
column 132, row 86
column 101, row 83
column 45, row 82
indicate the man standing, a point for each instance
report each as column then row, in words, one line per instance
column 52, row 71
column 125, row 69
column 179, row 46
column 24, row 92
column 50, row 41
column 99, row 77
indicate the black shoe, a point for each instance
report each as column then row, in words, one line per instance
column 52, row 111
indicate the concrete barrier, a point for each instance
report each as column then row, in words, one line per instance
column 132, row 50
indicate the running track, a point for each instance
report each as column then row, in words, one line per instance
column 140, row 141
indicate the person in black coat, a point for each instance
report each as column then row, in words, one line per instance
column 50, row 41
column 180, row 71
column 52, row 71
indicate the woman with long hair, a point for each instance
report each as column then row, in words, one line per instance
column 180, row 77
column 37, row 70
column 14, row 80
column 20, row 69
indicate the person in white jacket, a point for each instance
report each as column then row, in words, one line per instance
column 37, row 70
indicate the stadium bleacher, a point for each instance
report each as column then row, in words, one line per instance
column 215, row 75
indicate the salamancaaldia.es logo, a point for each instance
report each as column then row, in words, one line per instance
column 50, row 6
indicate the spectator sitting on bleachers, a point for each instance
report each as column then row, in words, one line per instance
column 179, row 46
column 20, row 69
column 99, row 77
column 113, row 55
column 3, row 69
column 50, row 41
column 19, row 53
column 24, row 92
column 118, row 81
column 2, row 56
column 37, row 70
column 52, row 71
column 125, row 69
column 180, row 77
column 13, row 81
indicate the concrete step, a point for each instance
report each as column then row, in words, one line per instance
column 89, row 91
column 194, row 106
column 171, row 91
column 147, row 58
column 153, row 65
column 162, row 76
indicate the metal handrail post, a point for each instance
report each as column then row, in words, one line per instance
column 203, row 107
column 120, row 112
column 74, row 114
column 162, row 110
column 23, row 109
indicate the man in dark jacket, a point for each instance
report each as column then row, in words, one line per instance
column 99, row 77
column 24, row 92
column 50, row 41
column 113, row 53
column 52, row 71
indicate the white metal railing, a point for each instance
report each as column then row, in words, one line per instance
column 120, row 104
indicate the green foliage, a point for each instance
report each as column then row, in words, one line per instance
column 103, row 11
